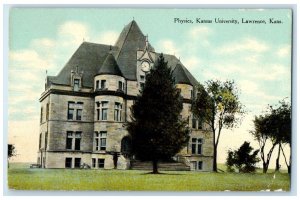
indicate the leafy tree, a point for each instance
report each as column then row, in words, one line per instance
column 11, row 151
column 156, row 129
column 218, row 106
column 242, row 159
column 274, row 126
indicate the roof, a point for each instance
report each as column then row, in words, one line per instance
column 130, row 40
column 110, row 66
column 120, row 59
column 181, row 74
column 88, row 57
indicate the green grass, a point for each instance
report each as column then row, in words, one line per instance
column 20, row 177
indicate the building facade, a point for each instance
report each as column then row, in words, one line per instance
column 85, row 107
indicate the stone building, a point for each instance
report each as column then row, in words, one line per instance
column 85, row 107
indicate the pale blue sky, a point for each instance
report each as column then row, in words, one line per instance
column 256, row 56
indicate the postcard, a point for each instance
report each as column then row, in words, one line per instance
column 136, row 99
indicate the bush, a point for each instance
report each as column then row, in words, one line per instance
column 242, row 159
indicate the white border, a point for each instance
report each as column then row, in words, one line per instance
column 156, row 4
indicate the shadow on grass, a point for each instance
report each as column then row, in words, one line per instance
column 160, row 173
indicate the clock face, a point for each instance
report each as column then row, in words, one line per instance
column 145, row 66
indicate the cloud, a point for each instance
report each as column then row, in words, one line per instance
column 168, row 46
column 198, row 32
column 284, row 51
column 73, row 33
column 192, row 63
column 108, row 37
column 28, row 59
column 246, row 44
column 271, row 72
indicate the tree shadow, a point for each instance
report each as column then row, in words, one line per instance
column 159, row 173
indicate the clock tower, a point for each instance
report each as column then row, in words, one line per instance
column 145, row 61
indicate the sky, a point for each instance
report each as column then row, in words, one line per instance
column 256, row 56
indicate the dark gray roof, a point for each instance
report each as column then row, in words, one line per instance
column 181, row 74
column 130, row 40
column 110, row 66
column 89, row 58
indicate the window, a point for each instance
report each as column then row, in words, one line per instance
column 77, row 140
column 103, row 140
column 68, row 163
column 70, row 110
column 46, row 140
column 77, row 162
column 103, row 84
column 200, row 165
column 78, row 114
column 75, row 108
column 200, row 125
column 142, row 86
column 104, row 107
column 76, row 84
column 120, row 85
column 97, row 139
column 97, row 84
column 40, row 141
column 142, row 78
column 73, row 140
column 47, row 111
column 41, row 117
column 101, row 163
column 197, row 145
column 118, row 112
column 93, row 162
column 69, row 140
column 194, row 123
column 100, row 140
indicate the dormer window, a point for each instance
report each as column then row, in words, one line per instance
column 76, row 84
column 76, row 79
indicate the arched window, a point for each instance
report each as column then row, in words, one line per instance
column 126, row 146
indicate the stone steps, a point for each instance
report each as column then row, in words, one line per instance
column 162, row 166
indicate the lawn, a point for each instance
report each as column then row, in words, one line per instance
column 21, row 177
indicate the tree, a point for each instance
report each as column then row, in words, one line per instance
column 156, row 129
column 283, row 125
column 242, row 159
column 218, row 106
column 275, row 127
column 11, row 151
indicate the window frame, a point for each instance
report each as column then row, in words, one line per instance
column 118, row 112
column 76, row 162
column 101, row 164
column 70, row 162
column 76, row 84
column 102, row 139
column 103, row 84
column 104, row 107
column 198, row 165
column 197, row 146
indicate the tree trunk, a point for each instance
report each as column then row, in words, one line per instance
column 277, row 160
column 215, row 168
column 265, row 167
column 155, row 167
